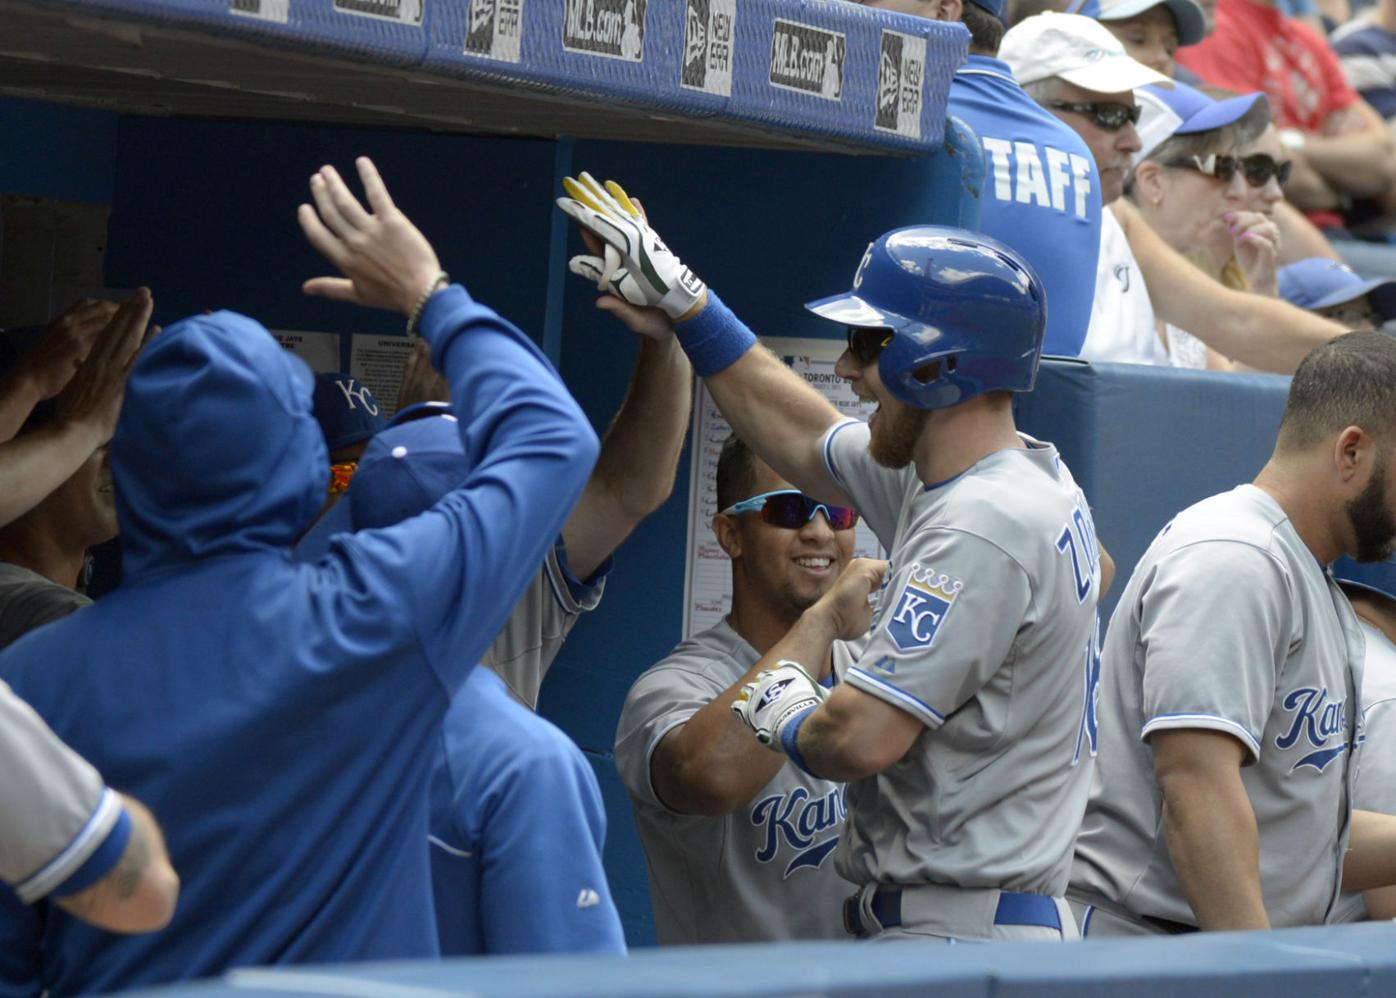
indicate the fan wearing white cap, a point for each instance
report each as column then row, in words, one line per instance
column 1045, row 191
column 1152, row 30
column 1193, row 187
column 1078, row 70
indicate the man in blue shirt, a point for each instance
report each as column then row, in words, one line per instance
column 279, row 717
column 517, row 823
column 1042, row 192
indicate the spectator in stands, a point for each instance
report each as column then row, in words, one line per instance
column 280, row 716
column 1334, row 291
column 98, row 855
column 517, row 823
column 1045, row 191
column 737, row 838
column 1078, row 70
column 1192, row 187
column 1366, row 49
column 1152, row 30
column 1341, row 147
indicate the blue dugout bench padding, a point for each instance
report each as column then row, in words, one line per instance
column 826, row 70
column 1147, row 442
column 1353, row 961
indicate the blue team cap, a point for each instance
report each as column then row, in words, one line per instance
column 345, row 409
column 1321, row 283
column 404, row 471
column 1184, row 110
column 1376, row 577
column 1187, row 15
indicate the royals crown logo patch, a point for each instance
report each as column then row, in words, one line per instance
column 921, row 608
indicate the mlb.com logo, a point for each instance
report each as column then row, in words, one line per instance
column 921, row 608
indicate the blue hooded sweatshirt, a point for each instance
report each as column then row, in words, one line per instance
column 280, row 718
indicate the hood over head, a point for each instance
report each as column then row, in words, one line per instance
column 216, row 451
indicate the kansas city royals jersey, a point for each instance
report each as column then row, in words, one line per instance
column 1376, row 772
column 1042, row 193
column 1228, row 624
column 985, row 633
column 760, row 873
column 541, row 621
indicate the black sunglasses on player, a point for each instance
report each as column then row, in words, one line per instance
column 866, row 343
column 1258, row 168
column 1106, row 114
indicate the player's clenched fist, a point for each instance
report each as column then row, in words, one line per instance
column 846, row 603
column 776, row 698
column 634, row 264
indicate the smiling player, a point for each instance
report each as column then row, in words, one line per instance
column 965, row 729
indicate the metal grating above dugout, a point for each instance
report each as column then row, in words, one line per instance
column 775, row 73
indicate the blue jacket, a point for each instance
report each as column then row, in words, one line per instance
column 280, row 718
column 517, row 830
column 1041, row 192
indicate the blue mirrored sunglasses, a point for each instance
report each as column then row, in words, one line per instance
column 792, row 509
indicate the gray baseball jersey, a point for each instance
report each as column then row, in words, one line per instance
column 543, row 617
column 1229, row 624
column 55, row 811
column 760, row 873
column 1376, row 770
column 985, row 633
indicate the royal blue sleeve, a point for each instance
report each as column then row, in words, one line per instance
column 542, row 885
column 459, row 568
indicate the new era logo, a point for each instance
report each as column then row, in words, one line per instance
column 588, row 898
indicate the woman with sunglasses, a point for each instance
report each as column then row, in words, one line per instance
column 1193, row 186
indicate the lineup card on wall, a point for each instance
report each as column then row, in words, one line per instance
column 377, row 361
column 319, row 350
column 707, row 576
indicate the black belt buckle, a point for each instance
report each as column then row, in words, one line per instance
column 852, row 915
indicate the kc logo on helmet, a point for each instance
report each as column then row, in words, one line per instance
column 921, row 608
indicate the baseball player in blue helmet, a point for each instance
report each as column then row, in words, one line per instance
column 980, row 654
column 1371, row 589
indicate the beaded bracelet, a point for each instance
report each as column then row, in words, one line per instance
column 415, row 315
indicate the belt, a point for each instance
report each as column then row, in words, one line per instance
column 1014, row 908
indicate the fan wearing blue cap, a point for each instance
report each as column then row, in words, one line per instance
column 963, row 730
column 1193, row 187
column 349, row 416
column 1152, row 30
column 1045, row 192
column 1334, row 290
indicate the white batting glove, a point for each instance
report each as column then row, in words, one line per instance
column 637, row 266
column 776, row 697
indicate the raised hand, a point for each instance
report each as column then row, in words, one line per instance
column 94, row 394
column 387, row 263
column 846, row 602
column 53, row 360
column 633, row 263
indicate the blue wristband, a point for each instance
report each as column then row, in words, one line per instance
column 790, row 740
column 714, row 338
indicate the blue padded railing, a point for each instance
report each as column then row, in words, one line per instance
column 820, row 68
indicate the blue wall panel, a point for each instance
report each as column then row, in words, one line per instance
column 56, row 151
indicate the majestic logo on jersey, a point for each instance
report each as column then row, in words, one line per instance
column 921, row 607
column 1318, row 721
column 797, row 819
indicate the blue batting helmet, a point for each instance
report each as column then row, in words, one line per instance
column 952, row 296
column 1378, row 576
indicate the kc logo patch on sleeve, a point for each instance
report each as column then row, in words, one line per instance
column 921, row 607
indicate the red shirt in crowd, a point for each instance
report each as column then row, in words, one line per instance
column 1255, row 47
